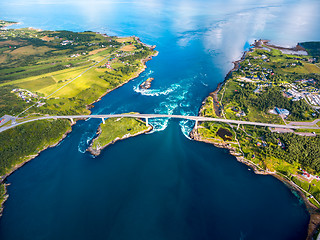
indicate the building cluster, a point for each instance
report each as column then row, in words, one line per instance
column 238, row 112
column 124, row 54
column 256, row 73
column 66, row 42
column 77, row 55
column 107, row 65
column 24, row 94
column 314, row 99
column 307, row 175
column 263, row 144
column 296, row 91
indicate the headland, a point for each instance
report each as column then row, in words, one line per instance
column 271, row 84
column 57, row 72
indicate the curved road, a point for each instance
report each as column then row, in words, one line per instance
column 148, row 116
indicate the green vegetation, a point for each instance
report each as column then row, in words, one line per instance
column 313, row 48
column 28, row 139
column 115, row 129
column 304, row 150
column 84, row 65
column 20, row 143
column 58, row 73
column 267, row 79
column 5, row 23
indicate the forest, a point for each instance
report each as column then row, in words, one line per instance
column 302, row 149
column 22, row 141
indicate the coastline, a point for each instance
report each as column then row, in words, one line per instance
column 28, row 159
column 137, row 74
column 314, row 212
column 89, row 106
column 9, row 24
column 98, row 151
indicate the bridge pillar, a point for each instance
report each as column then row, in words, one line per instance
column 147, row 122
column 196, row 125
column 238, row 126
column 71, row 119
column 103, row 121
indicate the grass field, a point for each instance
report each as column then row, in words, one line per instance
column 37, row 84
column 118, row 128
column 124, row 39
column 9, row 43
column 70, row 71
column 128, row 48
column 93, row 52
column 44, row 61
column 30, row 50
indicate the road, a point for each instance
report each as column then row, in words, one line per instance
column 148, row 116
column 80, row 75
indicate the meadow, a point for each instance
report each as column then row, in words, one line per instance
column 59, row 72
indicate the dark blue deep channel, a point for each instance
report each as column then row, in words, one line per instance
column 160, row 185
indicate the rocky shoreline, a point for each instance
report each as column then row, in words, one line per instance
column 314, row 212
column 143, row 61
column 89, row 106
column 28, row 159
column 146, row 84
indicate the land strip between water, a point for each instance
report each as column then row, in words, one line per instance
column 56, row 72
column 279, row 86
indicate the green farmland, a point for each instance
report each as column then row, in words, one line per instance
column 57, row 73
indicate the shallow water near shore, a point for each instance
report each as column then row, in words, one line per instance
column 160, row 185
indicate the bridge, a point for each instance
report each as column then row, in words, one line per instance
column 197, row 119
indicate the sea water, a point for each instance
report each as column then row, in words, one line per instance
column 160, row 185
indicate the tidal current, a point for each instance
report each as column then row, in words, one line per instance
column 160, row 185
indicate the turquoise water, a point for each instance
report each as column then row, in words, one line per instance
column 160, row 185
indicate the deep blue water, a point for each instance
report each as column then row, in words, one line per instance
column 160, row 185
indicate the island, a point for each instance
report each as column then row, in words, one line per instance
column 57, row 73
column 146, row 84
column 272, row 84
column 113, row 130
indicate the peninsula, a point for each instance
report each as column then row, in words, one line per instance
column 272, row 84
column 56, row 73
column 113, row 130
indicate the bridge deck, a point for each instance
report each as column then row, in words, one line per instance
column 148, row 116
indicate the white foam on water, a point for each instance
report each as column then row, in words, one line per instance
column 155, row 92
column 186, row 125
column 204, row 84
column 85, row 141
column 161, row 124
column 184, row 104
column 158, row 124
column 147, row 73
column 186, row 128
